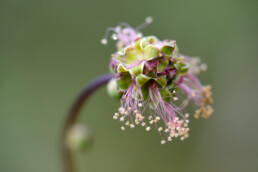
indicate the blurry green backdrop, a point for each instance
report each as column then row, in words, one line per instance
column 50, row 49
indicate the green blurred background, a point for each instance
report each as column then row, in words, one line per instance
column 50, row 49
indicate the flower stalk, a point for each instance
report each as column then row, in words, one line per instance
column 72, row 117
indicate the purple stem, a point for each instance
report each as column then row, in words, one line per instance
column 67, row 160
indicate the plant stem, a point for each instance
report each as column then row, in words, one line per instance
column 67, row 160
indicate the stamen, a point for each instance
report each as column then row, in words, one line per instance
column 157, row 118
column 122, row 118
column 148, row 20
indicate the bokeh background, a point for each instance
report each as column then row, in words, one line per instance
column 49, row 50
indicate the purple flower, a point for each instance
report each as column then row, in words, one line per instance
column 155, row 83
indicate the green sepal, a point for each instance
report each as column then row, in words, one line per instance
column 182, row 67
column 137, row 69
column 151, row 74
column 162, row 64
column 130, row 55
column 142, row 79
column 150, row 52
column 150, row 40
column 124, row 81
column 145, row 91
column 121, row 69
column 171, row 64
column 165, row 94
column 167, row 50
column 170, row 84
column 137, row 46
column 175, row 53
column 117, row 57
column 161, row 81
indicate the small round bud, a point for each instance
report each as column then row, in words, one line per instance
column 112, row 89
column 79, row 138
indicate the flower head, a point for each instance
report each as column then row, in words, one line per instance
column 150, row 75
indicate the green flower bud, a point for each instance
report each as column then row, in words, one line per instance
column 80, row 138
column 112, row 89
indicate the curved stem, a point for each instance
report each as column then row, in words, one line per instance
column 68, row 163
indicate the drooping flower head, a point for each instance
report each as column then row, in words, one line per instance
column 150, row 75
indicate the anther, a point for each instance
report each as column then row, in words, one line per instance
column 114, row 36
column 148, row 20
column 163, row 142
column 169, row 139
column 104, row 41
column 193, row 94
column 122, row 118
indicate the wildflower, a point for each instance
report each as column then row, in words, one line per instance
column 150, row 74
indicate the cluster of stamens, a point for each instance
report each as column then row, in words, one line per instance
column 205, row 109
column 131, row 118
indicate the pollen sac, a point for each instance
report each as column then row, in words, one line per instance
column 149, row 74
